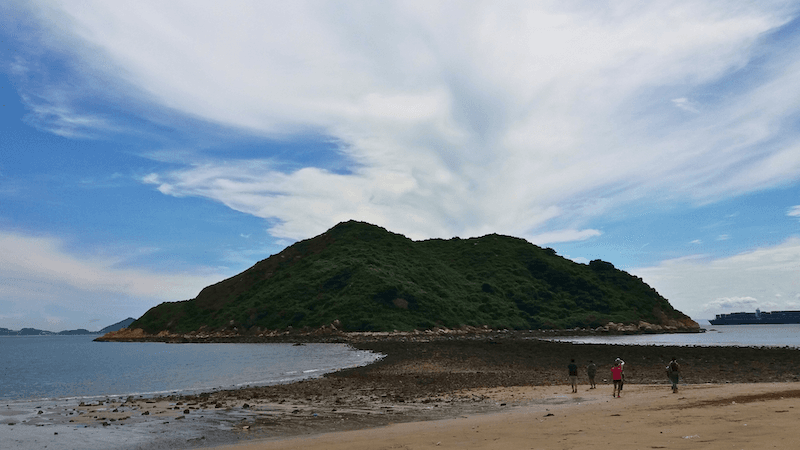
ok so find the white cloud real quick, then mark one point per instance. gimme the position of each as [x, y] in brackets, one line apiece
[43, 258]
[794, 211]
[460, 118]
[685, 104]
[701, 287]
[43, 283]
[63, 120]
[563, 236]
[731, 304]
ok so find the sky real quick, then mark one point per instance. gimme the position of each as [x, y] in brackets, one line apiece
[149, 149]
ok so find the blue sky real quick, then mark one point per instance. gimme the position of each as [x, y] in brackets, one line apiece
[150, 149]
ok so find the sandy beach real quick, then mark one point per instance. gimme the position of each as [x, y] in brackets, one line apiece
[645, 417]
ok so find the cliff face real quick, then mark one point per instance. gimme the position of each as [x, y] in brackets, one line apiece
[363, 277]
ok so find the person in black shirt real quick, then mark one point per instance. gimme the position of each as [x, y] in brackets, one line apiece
[573, 376]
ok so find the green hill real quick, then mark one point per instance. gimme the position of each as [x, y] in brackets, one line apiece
[370, 279]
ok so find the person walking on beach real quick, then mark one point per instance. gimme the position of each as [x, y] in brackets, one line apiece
[616, 375]
[573, 376]
[622, 370]
[674, 373]
[591, 370]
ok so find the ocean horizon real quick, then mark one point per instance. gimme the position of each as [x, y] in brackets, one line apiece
[785, 335]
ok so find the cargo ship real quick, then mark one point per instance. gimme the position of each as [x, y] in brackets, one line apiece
[758, 317]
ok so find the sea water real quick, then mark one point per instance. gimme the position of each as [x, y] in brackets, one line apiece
[715, 336]
[69, 367]
[43, 380]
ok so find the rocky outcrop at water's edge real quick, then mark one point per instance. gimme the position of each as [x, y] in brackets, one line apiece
[330, 333]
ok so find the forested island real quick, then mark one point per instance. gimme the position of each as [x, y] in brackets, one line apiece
[361, 277]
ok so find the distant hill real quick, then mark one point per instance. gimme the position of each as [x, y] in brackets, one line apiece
[117, 326]
[79, 331]
[24, 332]
[363, 277]
[75, 332]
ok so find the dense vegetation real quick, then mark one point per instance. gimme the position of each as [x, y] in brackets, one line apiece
[370, 279]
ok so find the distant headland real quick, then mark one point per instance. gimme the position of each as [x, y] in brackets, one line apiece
[80, 331]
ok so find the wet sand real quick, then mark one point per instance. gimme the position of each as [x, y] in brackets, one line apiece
[645, 417]
[426, 382]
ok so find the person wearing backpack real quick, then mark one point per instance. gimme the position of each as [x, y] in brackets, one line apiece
[673, 373]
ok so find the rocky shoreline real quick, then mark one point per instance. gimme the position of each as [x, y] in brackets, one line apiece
[332, 334]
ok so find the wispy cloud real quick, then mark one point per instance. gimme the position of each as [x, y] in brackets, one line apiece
[64, 121]
[794, 211]
[44, 258]
[685, 104]
[459, 118]
[107, 181]
[564, 236]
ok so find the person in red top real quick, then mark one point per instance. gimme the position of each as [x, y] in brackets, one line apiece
[616, 375]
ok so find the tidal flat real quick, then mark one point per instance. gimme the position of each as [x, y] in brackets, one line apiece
[418, 380]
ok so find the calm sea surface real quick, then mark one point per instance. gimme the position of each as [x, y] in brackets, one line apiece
[716, 335]
[63, 367]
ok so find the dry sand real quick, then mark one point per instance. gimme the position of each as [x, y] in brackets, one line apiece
[708, 416]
